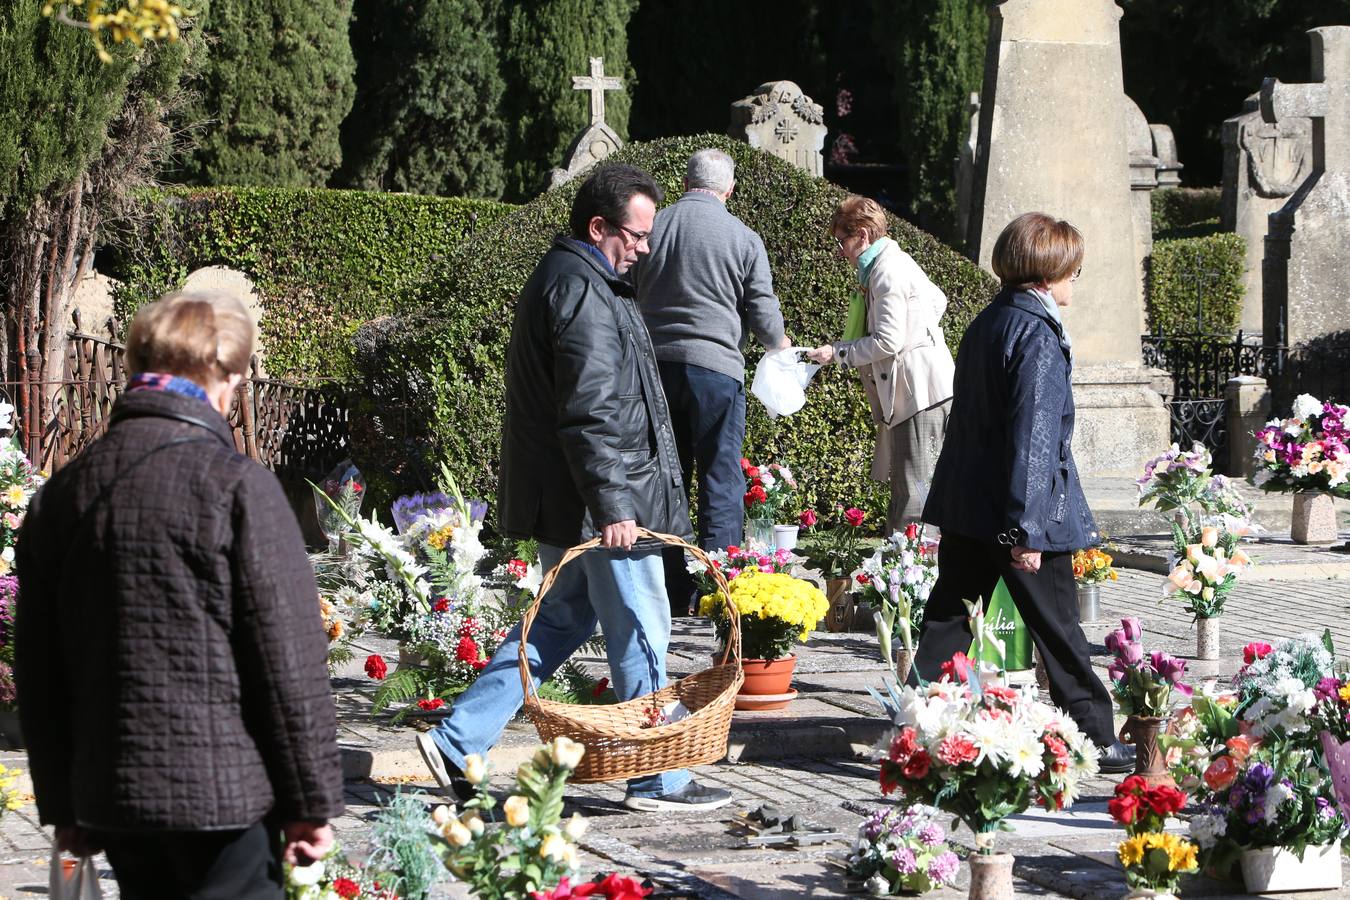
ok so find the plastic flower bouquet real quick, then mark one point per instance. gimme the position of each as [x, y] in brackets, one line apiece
[1093, 566]
[1142, 684]
[1277, 688]
[768, 490]
[983, 753]
[1203, 745]
[897, 579]
[777, 611]
[1306, 452]
[1152, 858]
[902, 851]
[1207, 571]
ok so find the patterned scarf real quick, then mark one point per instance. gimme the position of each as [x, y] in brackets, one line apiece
[173, 384]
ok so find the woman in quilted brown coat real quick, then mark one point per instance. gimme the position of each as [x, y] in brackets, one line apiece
[170, 655]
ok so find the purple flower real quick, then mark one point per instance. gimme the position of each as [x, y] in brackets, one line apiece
[932, 834]
[1131, 654]
[1256, 813]
[1325, 809]
[1326, 689]
[1115, 640]
[1115, 671]
[942, 868]
[1259, 777]
[1133, 630]
[904, 862]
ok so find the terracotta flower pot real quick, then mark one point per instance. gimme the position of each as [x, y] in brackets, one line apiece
[1149, 762]
[768, 683]
[1314, 518]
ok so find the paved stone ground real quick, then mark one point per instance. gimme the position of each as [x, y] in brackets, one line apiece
[811, 758]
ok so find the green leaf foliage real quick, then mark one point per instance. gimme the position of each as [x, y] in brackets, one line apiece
[545, 43]
[323, 261]
[434, 377]
[427, 117]
[1204, 272]
[56, 100]
[272, 95]
[1178, 207]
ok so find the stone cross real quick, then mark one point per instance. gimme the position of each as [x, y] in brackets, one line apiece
[597, 83]
[1307, 262]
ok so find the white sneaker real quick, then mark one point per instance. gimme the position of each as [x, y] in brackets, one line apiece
[446, 774]
[693, 797]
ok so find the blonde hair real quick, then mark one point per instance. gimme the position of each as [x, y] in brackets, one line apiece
[203, 336]
[854, 214]
[1037, 248]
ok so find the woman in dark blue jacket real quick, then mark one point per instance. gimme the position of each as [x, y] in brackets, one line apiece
[1005, 491]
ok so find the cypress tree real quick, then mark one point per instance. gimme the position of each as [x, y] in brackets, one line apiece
[273, 94]
[938, 62]
[427, 117]
[545, 43]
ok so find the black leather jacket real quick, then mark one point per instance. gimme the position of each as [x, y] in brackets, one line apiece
[587, 440]
[1006, 472]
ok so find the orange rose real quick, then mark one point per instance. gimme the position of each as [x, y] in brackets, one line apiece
[1221, 773]
[1241, 747]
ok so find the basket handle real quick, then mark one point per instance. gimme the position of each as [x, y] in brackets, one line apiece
[732, 650]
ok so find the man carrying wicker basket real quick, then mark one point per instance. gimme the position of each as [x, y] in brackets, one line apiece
[587, 451]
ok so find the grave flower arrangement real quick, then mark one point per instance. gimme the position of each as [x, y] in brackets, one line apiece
[736, 559]
[1276, 688]
[1153, 859]
[1207, 571]
[1203, 745]
[334, 877]
[768, 490]
[19, 481]
[777, 611]
[902, 851]
[836, 549]
[1093, 566]
[982, 753]
[897, 580]
[1308, 451]
[1142, 683]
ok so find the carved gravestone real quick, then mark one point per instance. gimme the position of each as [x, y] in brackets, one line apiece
[779, 119]
[1165, 149]
[232, 283]
[597, 141]
[1263, 164]
[1307, 265]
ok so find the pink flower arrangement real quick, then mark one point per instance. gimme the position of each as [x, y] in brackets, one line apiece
[1309, 451]
[1207, 571]
[1142, 684]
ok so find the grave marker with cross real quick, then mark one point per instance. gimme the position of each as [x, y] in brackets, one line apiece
[597, 140]
[1307, 263]
[597, 83]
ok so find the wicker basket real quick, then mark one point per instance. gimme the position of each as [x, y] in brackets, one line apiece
[617, 746]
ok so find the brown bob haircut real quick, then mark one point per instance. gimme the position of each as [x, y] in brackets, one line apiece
[203, 336]
[1037, 248]
[855, 214]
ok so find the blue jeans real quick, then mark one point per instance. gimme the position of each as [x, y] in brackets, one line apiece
[626, 593]
[707, 416]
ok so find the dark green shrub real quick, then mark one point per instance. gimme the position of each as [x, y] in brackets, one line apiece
[323, 261]
[1179, 207]
[1189, 273]
[434, 378]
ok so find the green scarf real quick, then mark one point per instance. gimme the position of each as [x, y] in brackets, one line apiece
[856, 324]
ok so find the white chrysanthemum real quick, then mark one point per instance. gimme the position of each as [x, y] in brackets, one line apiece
[990, 737]
[1306, 405]
[1207, 828]
[1026, 755]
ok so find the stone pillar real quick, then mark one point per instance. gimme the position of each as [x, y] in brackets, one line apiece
[1262, 165]
[1052, 138]
[1247, 409]
[1307, 264]
[779, 119]
[1143, 182]
[965, 170]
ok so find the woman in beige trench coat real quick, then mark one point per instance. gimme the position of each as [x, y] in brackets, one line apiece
[895, 342]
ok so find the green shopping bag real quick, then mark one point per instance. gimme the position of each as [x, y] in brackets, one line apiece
[1011, 648]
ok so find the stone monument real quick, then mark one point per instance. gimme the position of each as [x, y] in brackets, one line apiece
[1306, 271]
[1052, 138]
[965, 169]
[1143, 182]
[779, 119]
[1165, 149]
[597, 141]
[1263, 164]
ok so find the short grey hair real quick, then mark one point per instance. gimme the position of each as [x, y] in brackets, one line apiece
[712, 170]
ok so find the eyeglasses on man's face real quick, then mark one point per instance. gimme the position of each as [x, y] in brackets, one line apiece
[637, 236]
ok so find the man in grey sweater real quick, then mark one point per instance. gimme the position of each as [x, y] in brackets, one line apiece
[704, 284]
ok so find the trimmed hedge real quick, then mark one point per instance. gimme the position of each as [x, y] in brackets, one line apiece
[1178, 207]
[434, 378]
[323, 261]
[1186, 266]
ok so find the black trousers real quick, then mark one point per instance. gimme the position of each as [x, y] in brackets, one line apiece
[196, 865]
[1048, 602]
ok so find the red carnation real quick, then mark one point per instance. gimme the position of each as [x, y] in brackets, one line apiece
[467, 650]
[1255, 650]
[441, 605]
[745, 463]
[889, 777]
[807, 518]
[864, 578]
[375, 667]
[956, 668]
[346, 888]
[752, 472]
[429, 705]
[517, 568]
[854, 516]
[917, 767]
[756, 495]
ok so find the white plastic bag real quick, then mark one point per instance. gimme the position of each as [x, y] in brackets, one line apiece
[780, 381]
[80, 884]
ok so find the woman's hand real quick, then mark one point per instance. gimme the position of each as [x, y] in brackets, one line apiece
[1026, 559]
[824, 354]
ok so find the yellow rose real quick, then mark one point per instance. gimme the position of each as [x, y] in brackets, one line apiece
[472, 821]
[475, 770]
[441, 814]
[567, 752]
[553, 847]
[517, 810]
[575, 827]
[456, 833]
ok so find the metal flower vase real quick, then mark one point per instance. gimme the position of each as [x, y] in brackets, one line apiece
[1149, 761]
[1089, 603]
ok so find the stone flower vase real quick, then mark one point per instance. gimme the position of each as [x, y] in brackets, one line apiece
[1089, 603]
[839, 593]
[904, 660]
[1314, 520]
[990, 873]
[1149, 761]
[1207, 638]
[1270, 870]
[768, 683]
